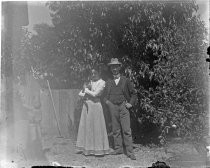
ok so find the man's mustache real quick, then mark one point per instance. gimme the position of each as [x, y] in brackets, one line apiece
[115, 70]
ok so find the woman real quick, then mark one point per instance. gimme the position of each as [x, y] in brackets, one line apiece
[92, 135]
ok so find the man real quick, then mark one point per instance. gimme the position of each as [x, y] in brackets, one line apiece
[120, 97]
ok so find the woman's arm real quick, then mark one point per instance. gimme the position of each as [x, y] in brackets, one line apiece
[105, 93]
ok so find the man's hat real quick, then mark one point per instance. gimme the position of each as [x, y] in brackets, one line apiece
[114, 61]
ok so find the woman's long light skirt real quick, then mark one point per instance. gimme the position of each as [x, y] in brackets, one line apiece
[92, 136]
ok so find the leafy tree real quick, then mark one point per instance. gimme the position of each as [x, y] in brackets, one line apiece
[161, 45]
[171, 53]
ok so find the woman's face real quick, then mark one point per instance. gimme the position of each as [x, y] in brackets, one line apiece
[95, 74]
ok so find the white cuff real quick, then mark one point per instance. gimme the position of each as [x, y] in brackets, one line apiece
[82, 94]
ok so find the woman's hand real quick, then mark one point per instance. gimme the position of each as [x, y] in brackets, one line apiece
[128, 105]
[86, 85]
[87, 90]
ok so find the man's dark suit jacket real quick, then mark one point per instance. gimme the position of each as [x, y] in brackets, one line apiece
[128, 90]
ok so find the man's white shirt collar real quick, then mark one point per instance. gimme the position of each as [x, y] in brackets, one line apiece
[117, 79]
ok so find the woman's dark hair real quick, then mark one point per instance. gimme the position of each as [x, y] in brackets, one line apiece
[96, 68]
[103, 71]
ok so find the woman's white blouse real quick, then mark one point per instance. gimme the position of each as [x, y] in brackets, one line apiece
[97, 88]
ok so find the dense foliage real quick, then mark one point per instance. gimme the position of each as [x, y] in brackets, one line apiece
[161, 44]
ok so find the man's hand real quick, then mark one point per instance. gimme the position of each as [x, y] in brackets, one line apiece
[128, 105]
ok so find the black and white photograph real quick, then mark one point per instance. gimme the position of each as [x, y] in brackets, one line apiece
[110, 84]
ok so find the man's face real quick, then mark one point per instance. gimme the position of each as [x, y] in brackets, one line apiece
[115, 69]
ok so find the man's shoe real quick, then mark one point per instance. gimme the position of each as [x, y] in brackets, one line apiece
[132, 157]
[116, 152]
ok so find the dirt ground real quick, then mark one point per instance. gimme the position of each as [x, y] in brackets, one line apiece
[63, 152]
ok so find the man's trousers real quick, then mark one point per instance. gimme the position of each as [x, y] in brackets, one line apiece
[121, 127]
